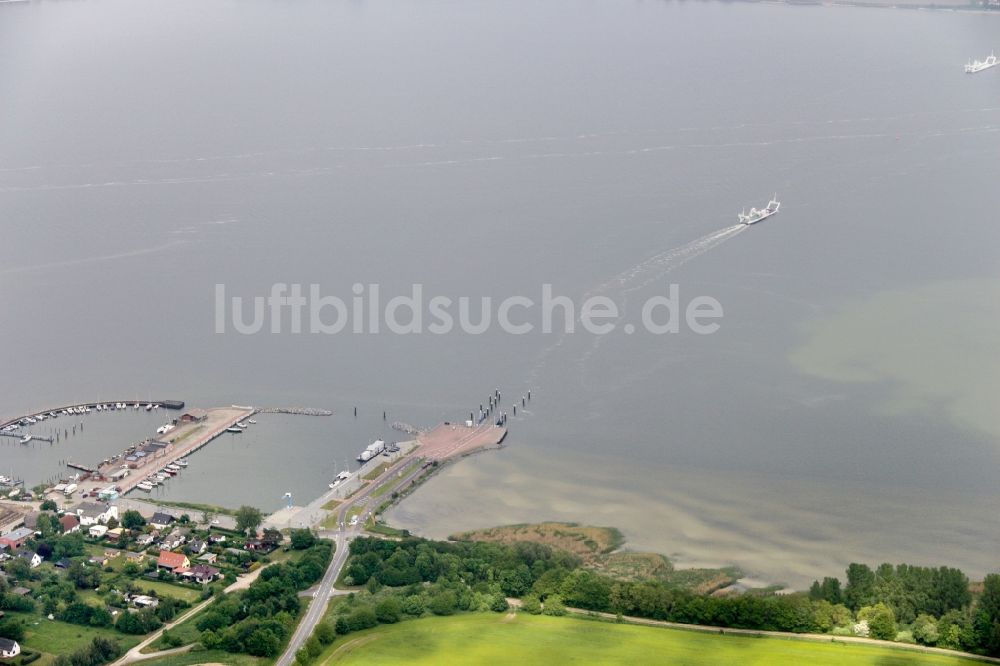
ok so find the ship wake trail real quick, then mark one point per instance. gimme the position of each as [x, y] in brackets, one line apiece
[635, 278]
[649, 271]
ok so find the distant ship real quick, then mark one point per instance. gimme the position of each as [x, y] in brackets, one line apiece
[755, 216]
[976, 66]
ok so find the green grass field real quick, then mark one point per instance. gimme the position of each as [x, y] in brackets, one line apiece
[165, 589]
[528, 639]
[56, 637]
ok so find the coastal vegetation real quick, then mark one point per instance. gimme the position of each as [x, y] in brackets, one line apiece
[411, 578]
[258, 621]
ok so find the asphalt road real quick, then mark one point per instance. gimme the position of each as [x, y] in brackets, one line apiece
[342, 538]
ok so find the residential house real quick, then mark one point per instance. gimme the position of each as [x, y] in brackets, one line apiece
[161, 520]
[173, 540]
[33, 559]
[144, 540]
[172, 561]
[137, 558]
[97, 531]
[92, 513]
[98, 561]
[208, 558]
[9, 648]
[16, 538]
[70, 523]
[202, 573]
[197, 547]
[144, 601]
[255, 544]
[115, 534]
[111, 553]
[64, 563]
[217, 538]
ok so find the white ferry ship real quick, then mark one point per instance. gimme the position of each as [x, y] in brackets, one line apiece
[755, 216]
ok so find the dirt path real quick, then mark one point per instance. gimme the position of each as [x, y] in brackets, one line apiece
[825, 638]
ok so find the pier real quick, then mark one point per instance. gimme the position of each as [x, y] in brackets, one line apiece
[166, 404]
[185, 439]
[18, 435]
[451, 440]
[300, 411]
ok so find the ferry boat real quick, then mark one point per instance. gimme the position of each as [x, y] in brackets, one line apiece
[972, 67]
[755, 216]
[144, 486]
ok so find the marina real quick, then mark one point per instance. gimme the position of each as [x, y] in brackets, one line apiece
[149, 463]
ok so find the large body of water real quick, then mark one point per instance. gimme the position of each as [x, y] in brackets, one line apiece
[846, 410]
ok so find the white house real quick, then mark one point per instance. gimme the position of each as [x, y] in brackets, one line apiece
[9, 648]
[33, 559]
[97, 531]
[91, 513]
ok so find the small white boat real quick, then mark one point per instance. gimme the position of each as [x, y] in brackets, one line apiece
[162, 477]
[181, 462]
[240, 424]
[144, 486]
[149, 407]
[973, 67]
[173, 468]
[252, 422]
[26, 439]
[234, 429]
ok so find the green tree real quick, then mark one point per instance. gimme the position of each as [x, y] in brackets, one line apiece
[554, 605]
[48, 505]
[12, 628]
[531, 604]
[388, 610]
[341, 626]
[444, 603]
[248, 519]
[925, 630]
[302, 539]
[132, 520]
[325, 633]
[881, 622]
[860, 590]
